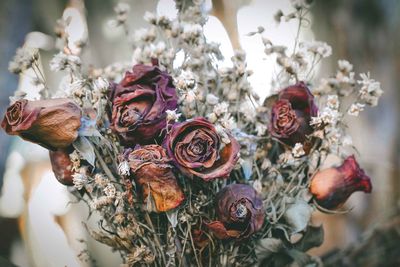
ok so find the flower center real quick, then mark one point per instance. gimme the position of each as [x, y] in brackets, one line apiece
[130, 117]
[241, 211]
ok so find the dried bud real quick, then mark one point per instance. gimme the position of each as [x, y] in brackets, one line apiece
[51, 123]
[151, 169]
[62, 165]
[333, 186]
[240, 212]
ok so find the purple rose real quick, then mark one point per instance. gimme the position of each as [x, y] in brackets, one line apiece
[139, 103]
[196, 150]
[291, 114]
[240, 212]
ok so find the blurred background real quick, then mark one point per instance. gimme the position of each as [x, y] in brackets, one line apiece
[39, 227]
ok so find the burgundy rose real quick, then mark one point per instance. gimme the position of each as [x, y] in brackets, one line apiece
[240, 212]
[333, 186]
[291, 114]
[196, 150]
[152, 171]
[62, 165]
[51, 123]
[139, 103]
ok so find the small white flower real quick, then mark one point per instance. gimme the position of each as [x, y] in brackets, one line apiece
[212, 99]
[172, 115]
[23, 59]
[318, 48]
[333, 102]
[345, 66]
[371, 90]
[228, 122]
[212, 117]
[190, 96]
[221, 108]
[257, 185]
[123, 168]
[150, 17]
[101, 84]
[355, 109]
[110, 191]
[62, 61]
[330, 116]
[261, 129]
[298, 150]
[79, 180]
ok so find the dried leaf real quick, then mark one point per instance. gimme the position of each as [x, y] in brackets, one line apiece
[172, 216]
[298, 215]
[85, 149]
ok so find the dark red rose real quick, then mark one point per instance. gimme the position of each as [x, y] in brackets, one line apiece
[333, 186]
[139, 103]
[291, 114]
[152, 172]
[240, 212]
[51, 123]
[196, 150]
[62, 165]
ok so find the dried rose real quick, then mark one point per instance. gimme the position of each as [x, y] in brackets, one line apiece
[62, 165]
[51, 123]
[240, 212]
[139, 104]
[333, 186]
[152, 171]
[291, 114]
[196, 150]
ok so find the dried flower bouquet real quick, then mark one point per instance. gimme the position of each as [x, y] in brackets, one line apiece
[183, 162]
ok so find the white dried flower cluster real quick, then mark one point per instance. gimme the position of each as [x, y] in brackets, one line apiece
[62, 61]
[318, 48]
[110, 191]
[370, 90]
[79, 180]
[124, 168]
[23, 59]
[298, 150]
[333, 102]
[173, 115]
[355, 109]
[101, 85]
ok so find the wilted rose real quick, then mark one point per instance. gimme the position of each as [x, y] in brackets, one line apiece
[139, 104]
[152, 171]
[291, 114]
[62, 165]
[196, 149]
[240, 212]
[333, 186]
[51, 123]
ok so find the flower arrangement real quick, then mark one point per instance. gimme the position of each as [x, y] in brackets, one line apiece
[184, 163]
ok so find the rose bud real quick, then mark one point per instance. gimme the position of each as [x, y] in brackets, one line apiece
[240, 212]
[196, 150]
[333, 186]
[51, 123]
[291, 114]
[62, 165]
[139, 104]
[152, 172]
